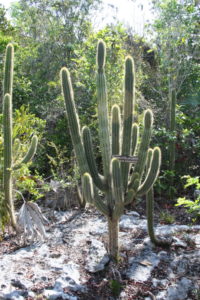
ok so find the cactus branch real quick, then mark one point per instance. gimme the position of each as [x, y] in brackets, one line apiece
[129, 100]
[135, 135]
[29, 155]
[98, 179]
[116, 138]
[73, 120]
[144, 145]
[8, 71]
[152, 173]
[104, 135]
[150, 225]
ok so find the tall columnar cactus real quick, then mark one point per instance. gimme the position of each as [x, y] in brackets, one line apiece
[121, 182]
[9, 165]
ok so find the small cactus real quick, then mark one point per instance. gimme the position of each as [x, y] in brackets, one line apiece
[9, 165]
[120, 182]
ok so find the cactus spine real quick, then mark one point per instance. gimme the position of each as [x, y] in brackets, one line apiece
[121, 182]
[9, 165]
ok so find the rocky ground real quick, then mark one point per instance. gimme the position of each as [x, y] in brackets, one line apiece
[73, 263]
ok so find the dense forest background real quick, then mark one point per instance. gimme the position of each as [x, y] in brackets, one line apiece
[50, 34]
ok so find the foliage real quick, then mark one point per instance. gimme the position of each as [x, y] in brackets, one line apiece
[193, 206]
[167, 217]
[175, 45]
[176, 41]
[116, 287]
[50, 31]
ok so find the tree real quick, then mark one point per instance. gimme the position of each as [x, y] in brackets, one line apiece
[175, 79]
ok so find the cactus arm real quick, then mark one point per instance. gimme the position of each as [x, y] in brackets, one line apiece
[87, 186]
[129, 196]
[142, 152]
[98, 179]
[150, 223]
[100, 205]
[80, 196]
[128, 115]
[152, 173]
[91, 195]
[116, 121]
[104, 135]
[117, 188]
[29, 155]
[134, 177]
[73, 120]
[8, 70]
[135, 135]
[149, 158]
[150, 210]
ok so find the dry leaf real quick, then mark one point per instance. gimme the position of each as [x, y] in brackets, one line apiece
[31, 222]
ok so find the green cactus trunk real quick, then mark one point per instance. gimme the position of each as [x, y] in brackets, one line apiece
[120, 182]
[7, 126]
[113, 239]
[9, 165]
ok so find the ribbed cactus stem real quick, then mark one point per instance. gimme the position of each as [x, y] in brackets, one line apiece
[149, 159]
[144, 145]
[87, 185]
[117, 188]
[7, 131]
[91, 195]
[101, 54]
[135, 136]
[98, 179]
[152, 173]
[129, 102]
[30, 153]
[8, 70]
[104, 134]
[150, 223]
[113, 231]
[116, 134]
[73, 120]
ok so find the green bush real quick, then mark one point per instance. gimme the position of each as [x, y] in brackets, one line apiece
[193, 206]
